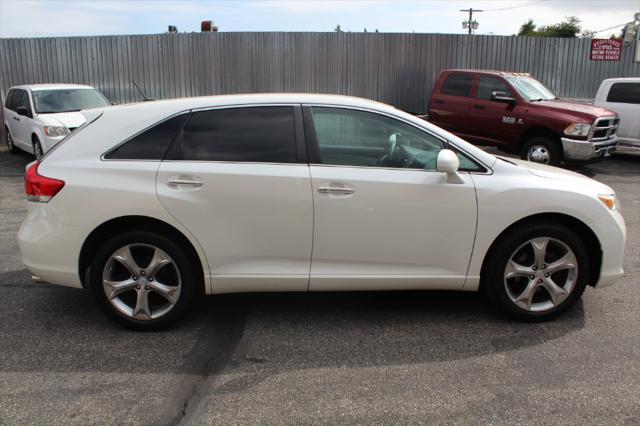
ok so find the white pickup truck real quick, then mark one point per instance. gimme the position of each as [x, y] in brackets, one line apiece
[622, 95]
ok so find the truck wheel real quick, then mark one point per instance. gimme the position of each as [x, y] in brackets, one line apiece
[541, 149]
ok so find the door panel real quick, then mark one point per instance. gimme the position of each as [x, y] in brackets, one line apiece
[238, 184]
[396, 228]
[252, 220]
[449, 108]
[491, 121]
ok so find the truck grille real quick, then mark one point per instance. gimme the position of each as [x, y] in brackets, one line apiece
[604, 128]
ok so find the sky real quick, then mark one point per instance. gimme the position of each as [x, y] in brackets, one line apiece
[49, 18]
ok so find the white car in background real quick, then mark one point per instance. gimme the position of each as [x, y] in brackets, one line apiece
[154, 205]
[622, 95]
[38, 116]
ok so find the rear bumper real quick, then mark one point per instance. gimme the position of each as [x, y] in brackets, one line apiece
[50, 249]
[575, 150]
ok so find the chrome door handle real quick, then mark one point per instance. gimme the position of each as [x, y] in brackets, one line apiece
[175, 183]
[335, 190]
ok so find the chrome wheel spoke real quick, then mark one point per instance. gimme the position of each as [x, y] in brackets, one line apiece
[539, 250]
[568, 261]
[159, 260]
[142, 310]
[526, 297]
[115, 288]
[514, 269]
[557, 294]
[170, 293]
[123, 255]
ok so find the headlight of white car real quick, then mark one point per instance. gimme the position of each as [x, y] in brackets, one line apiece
[577, 129]
[56, 131]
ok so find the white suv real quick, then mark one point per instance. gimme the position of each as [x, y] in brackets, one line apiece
[38, 116]
[152, 205]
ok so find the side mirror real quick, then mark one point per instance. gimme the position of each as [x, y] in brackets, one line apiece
[448, 162]
[22, 110]
[502, 97]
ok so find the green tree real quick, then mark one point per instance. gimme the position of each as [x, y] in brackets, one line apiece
[570, 27]
[527, 29]
[338, 29]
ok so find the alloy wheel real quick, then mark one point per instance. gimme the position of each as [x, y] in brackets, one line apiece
[541, 274]
[141, 281]
[539, 154]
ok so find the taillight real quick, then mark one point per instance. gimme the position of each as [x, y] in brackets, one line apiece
[40, 188]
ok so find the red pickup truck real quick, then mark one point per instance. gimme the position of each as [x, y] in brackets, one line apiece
[518, 114]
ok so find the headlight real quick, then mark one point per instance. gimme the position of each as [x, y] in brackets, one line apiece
[56, 131]
[578, 129]
[608, 200]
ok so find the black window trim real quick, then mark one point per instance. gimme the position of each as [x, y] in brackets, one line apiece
[103, 156]
[301, 148]
[314, 146]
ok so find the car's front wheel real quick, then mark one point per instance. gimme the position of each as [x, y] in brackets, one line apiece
[143, 280]
[10, 145]
[37, 148]
[536, 271]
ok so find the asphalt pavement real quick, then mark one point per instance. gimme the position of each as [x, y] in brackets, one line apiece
[371, 357]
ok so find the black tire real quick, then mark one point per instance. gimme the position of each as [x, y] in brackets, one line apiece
[550, 147]
[191, 284]
[37, 148]
[9, 139]
[493, 282]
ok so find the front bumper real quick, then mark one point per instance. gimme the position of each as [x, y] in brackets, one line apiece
[586, 150]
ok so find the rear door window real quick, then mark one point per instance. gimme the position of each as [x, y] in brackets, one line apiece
[151, 144]
[247, 134]
[624, 93]
[458, 85]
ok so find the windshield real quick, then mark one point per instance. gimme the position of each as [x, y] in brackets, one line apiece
[66, 100]
[531, 89]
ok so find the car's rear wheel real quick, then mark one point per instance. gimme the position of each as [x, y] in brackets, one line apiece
[537, 271]
[10, 145]
[541, 149]
[143, 280]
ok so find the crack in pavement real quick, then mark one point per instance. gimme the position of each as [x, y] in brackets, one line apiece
[209, 356]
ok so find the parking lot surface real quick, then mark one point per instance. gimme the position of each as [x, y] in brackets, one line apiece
[409, 357]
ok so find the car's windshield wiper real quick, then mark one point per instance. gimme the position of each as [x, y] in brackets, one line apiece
[536, 100]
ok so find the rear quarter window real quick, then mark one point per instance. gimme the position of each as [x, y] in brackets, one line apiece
[458, 85]
[624, 93]
[151, 144]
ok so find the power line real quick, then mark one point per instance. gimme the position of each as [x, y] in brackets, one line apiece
[610, 28]
[515, 7]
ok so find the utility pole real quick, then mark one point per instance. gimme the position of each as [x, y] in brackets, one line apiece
[470, 24]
